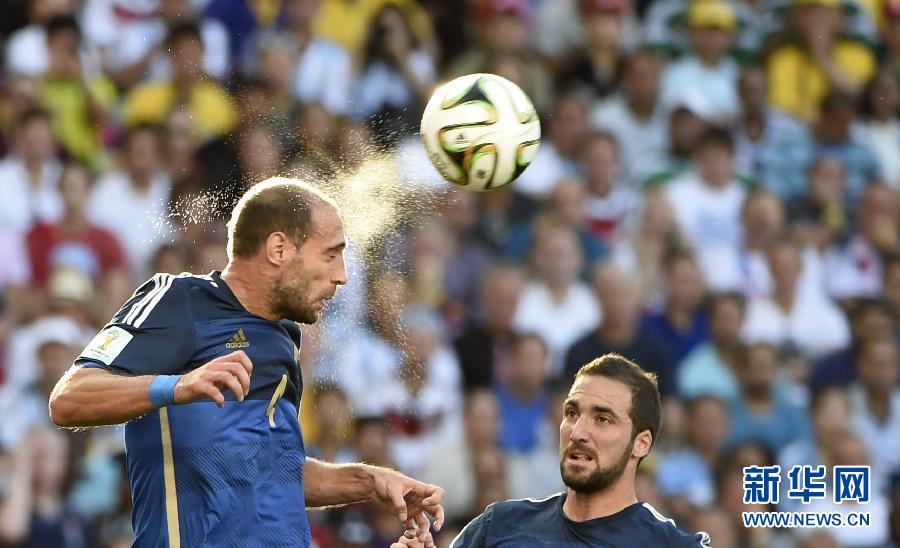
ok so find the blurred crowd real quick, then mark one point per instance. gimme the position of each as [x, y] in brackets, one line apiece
[716, 195]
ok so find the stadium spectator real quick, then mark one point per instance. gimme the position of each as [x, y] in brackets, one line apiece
[790, 316]
[26, 48]
[681, 325]
[395, 76]
[707, 71]
[596, 68]
[710, 369]
[771, 147]
[612, 205]
[685, 129]
[641, 256]
[557, 157]
[881, 125]
[324, 70]
[686, 476]
[451, 463]
[485, 345]
[566, 203]
[139, 191]
[635, 117]
[875, 404]
[74, 241]
[213, 113]
[79, 104]
[820, 213]
[707, 200]
[556, 304]
[763, 412]
[34, 511]
[31, 175]
[855, 269]
[805, 69]
[523, 397]
[138, 50]
[332, 424]
[868, 318]
[620, 331]
[833, 136]
[502, 28]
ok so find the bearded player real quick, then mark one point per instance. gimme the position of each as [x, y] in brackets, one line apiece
[204, 370]
[610, 421]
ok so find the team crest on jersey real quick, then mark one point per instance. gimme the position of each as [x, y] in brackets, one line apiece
[107, 344]
[238, 340]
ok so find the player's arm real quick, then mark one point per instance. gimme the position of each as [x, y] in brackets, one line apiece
[326, 484]
[92, 396]
[131, 367]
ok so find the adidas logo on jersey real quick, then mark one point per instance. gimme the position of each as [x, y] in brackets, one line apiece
[238, 340]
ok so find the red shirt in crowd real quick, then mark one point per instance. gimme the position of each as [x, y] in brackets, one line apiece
[44, 241]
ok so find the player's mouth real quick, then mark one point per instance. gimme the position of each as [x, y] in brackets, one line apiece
[579, 457]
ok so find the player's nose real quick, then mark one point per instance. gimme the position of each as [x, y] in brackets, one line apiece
[580, 430]
[339, 274]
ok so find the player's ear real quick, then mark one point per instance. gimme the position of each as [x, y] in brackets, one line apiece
[642, 443]
[276, 247]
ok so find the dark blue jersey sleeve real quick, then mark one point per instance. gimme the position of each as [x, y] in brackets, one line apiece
[152, 334]
[474, 535]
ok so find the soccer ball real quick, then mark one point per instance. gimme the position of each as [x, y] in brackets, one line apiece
[481, 131]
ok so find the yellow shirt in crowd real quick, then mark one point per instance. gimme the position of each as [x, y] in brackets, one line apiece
[213, 112]
[798, 85]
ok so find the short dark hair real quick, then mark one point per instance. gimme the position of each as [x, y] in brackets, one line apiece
[275, 205]
[62, 23]
[716, 299]
[32, 114]
[522, 338]
[716, 137]
[646, 404]
[675, 255]
[181, 30]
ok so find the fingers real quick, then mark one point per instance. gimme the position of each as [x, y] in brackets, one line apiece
[240, 373]
[438, 513]
[399, 504]
[423, 525]
[211, 390]
[225, 379]
[238, 356]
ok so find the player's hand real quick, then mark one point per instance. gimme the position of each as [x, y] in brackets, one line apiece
[411, 500]
[407, 542]
[228, 372]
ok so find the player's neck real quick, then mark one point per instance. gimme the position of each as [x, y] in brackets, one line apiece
[582, 507]
[246, 282]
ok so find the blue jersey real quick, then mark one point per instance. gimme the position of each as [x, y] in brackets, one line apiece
[201, 475]
[542, 524]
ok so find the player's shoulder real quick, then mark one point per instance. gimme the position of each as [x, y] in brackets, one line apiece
[515, 509]
[664, 531]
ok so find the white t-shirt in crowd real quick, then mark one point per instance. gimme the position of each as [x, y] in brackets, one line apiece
[324, 73]
[815, 326]
[643, 144]
[707, 216]
[559, 323]
[715, 86]
[139, 218]
[23, 204]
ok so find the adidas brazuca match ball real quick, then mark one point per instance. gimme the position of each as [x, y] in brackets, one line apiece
[481, 131]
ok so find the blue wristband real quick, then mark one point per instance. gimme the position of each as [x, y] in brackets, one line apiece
[162, 390]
